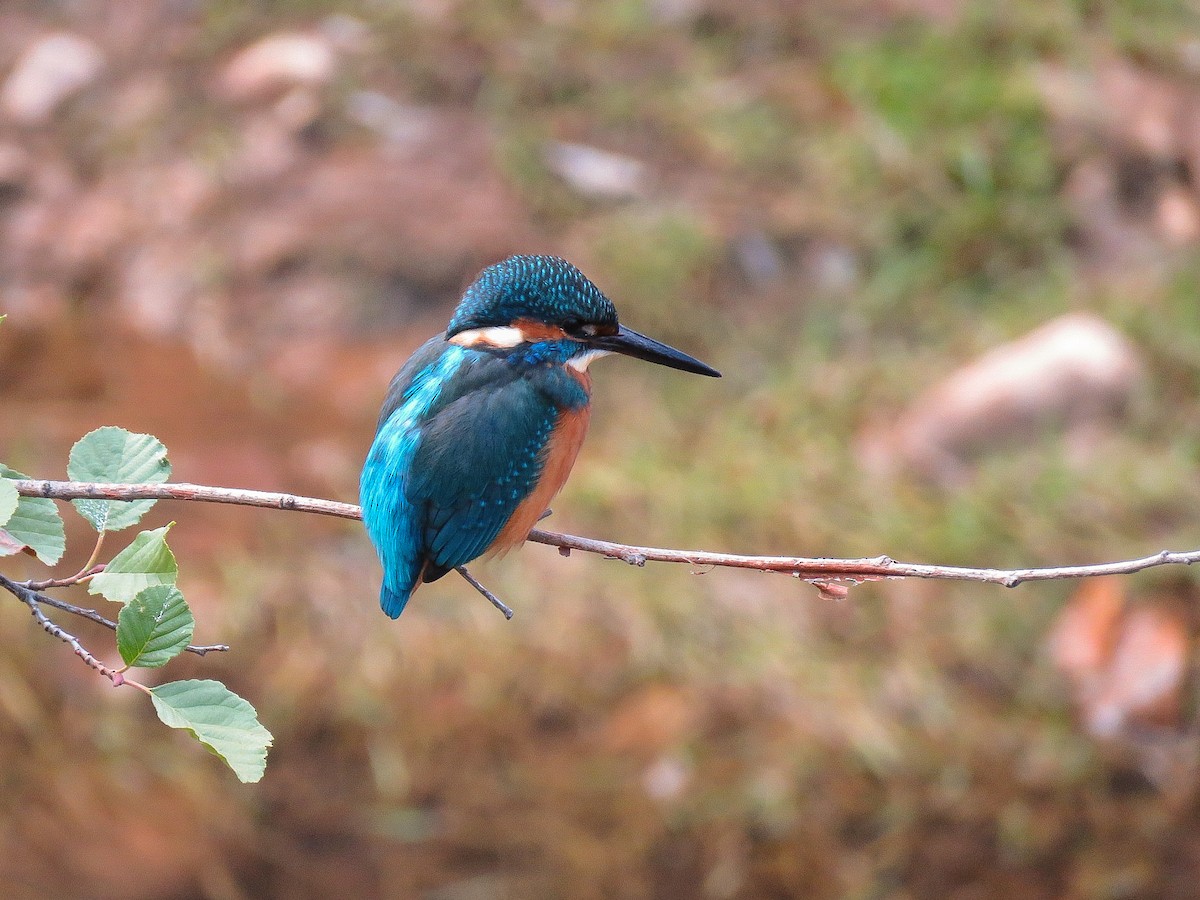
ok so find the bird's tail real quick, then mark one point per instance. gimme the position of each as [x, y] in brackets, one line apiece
[393, 602]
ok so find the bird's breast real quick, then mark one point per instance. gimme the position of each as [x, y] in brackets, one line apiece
[558, 457]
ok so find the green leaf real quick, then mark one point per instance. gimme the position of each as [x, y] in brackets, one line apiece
[114, 455]
[147, 561]
[154, 627]
[36, 524]
[9, 498]
[218, 718]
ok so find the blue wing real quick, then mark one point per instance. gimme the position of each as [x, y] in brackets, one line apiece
[392, 523]
[478, 458]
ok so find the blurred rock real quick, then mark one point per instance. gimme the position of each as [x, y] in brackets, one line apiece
[1143, 680]
[1177, 216]
[667, 777]
[676, 12]
[1137, 191]
[275, 63]
[1076, 370]
[597, 174]
[758, 258]
[159, 287]
[267, 150]
[298, 109]
[833, 265]
[345, 32]
[398, 123]
[1137, 108]
[92, 228]
[1125, 664]
[432, 221]
[1081, 640]
[1108, 234]
[48, 73]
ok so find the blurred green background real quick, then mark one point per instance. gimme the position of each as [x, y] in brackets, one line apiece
[227, 223]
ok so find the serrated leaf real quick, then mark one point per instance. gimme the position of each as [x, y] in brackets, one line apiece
[147, 561]
[35, 524]
[154, 627]
[114, 455]
[9, 498]
[221, 720]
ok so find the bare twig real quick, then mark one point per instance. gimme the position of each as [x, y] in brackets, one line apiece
[27, 590]
[871, 568]
[811, 569]
[33, 600]
[492, 598]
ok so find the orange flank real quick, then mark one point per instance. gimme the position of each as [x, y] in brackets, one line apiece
[561, 450]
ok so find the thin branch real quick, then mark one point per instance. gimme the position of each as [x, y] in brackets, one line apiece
[32, 599]
[872, 568]
[492, 598]
[25, 591]
[811, 569]
[78, 490]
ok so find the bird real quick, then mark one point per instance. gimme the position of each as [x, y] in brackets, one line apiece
[481, 426]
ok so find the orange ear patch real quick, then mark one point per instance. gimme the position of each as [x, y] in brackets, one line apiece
[538, 331]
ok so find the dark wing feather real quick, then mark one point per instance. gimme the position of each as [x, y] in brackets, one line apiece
[479, 456]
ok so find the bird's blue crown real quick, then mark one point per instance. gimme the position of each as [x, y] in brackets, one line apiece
[541, 288]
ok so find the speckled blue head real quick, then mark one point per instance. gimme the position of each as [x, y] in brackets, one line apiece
[539, 288]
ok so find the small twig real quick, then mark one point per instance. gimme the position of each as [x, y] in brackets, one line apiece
[88, 569]
[81, 575]
[31, 599]
[812, 569]
[21, 590]
[474, 582]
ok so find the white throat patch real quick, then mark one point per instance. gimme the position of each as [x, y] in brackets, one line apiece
[580, 363]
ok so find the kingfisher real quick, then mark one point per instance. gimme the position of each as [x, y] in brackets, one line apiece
[481, 426]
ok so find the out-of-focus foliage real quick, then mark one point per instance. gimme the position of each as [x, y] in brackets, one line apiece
[838, 205]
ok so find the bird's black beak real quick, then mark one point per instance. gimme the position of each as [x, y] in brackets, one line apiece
[630, 343]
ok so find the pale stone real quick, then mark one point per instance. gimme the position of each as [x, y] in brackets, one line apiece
[48, 73]
[278, 62]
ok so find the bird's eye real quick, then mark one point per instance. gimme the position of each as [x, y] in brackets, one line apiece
[574, 326]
